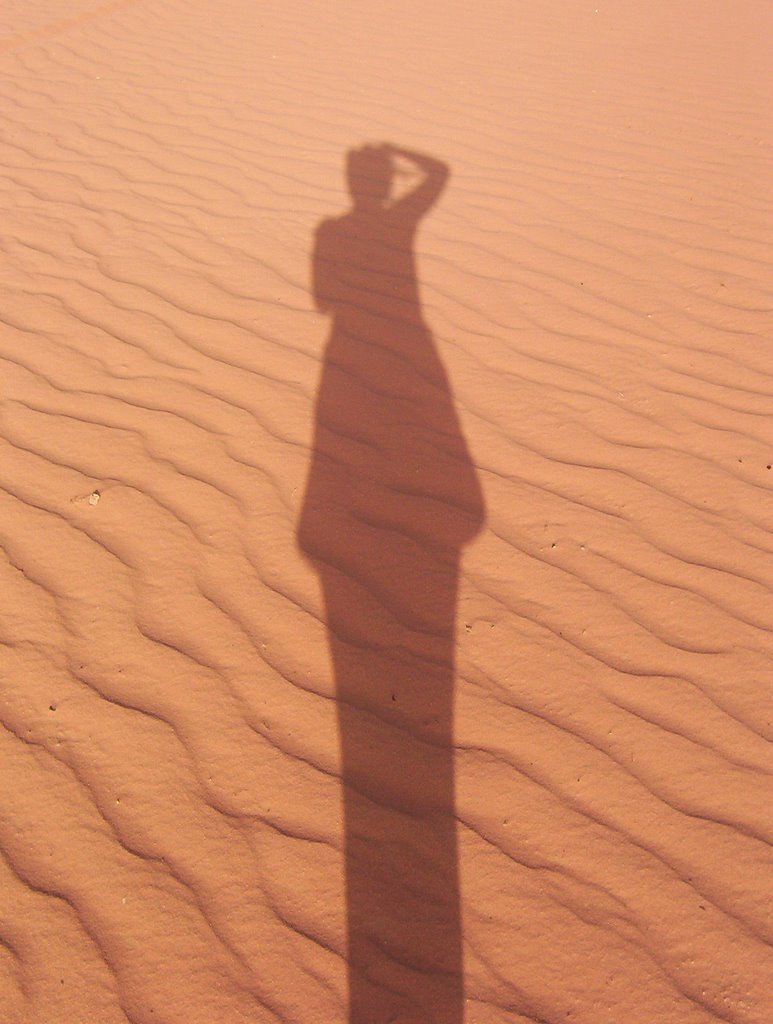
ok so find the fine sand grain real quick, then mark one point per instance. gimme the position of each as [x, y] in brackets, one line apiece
[385, 602]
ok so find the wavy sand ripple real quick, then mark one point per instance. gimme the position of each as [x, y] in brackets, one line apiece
[595, 277]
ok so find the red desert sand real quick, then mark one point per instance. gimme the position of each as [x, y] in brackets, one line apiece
[386, 485]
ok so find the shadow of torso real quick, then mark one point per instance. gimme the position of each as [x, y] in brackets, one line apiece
[392, 494]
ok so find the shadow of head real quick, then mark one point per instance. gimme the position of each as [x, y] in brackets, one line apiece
[369, 175]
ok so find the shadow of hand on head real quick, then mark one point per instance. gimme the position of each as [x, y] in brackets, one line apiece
[391, 498]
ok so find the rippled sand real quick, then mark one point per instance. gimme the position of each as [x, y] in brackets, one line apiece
[176, 841]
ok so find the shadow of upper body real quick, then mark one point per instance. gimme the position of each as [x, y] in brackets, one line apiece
[391, 486]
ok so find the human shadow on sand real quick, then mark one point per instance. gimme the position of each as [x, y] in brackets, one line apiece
[392, 497]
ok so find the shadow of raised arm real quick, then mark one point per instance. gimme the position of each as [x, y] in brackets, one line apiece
[421, 198]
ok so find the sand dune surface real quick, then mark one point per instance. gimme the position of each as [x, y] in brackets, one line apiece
[386, 505]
